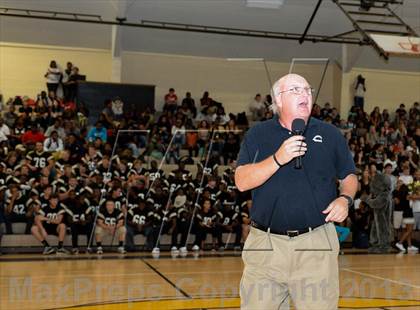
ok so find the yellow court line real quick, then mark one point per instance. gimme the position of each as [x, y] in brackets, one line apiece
[350, 302]
[172, 304]
[220, 303]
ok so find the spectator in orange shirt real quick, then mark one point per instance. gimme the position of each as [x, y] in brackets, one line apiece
[191, 138]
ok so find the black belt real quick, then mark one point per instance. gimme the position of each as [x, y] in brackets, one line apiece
[289, 233]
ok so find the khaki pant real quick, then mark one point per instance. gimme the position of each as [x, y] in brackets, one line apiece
[102, 232]
[294, 267]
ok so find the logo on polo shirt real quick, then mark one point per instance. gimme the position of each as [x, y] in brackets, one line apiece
[317, 138]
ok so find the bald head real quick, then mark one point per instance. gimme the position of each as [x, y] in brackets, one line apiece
[287, 81]
[292, 98]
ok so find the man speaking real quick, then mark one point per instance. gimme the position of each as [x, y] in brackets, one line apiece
[291, 163]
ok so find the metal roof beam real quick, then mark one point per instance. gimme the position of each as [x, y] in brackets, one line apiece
[302, 38]
[182, 27]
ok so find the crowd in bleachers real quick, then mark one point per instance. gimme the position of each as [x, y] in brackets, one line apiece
[57, 172]
[384, 144]
[59, 176]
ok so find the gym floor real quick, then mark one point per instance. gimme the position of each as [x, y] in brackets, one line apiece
[206, 281]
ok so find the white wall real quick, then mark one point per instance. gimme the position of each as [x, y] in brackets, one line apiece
[22, 69]
[234, 83]
[386, 89]
[22, 66]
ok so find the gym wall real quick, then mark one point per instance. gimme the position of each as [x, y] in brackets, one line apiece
[235, 83]
[22, 66]
[386, 89]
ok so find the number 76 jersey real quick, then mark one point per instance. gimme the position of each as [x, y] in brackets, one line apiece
[39, 160]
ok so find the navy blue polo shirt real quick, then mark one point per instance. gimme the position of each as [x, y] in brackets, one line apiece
[295, 198]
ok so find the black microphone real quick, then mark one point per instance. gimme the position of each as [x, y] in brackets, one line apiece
[298, 127]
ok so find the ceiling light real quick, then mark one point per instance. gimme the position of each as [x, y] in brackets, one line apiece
[265, 4]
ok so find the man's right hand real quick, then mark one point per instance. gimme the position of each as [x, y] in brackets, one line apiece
[291, 148]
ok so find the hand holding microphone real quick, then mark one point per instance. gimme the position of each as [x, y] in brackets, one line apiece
[294, 147]
[298, 127]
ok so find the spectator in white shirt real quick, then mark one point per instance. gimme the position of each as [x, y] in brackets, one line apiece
[392, 161]
[257, 107]
[178, 131]
[221, 116]
[53, 143]
[4, 131]
[53, 77]
[405, 176]
[415, 200]
[359, 92]
[56, 127]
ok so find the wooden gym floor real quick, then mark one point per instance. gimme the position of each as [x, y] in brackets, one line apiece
[209, 281]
